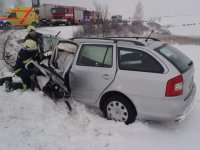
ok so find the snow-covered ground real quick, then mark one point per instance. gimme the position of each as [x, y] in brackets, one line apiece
[178, 20]
[193, 30]
[181, 25]
[31, 121]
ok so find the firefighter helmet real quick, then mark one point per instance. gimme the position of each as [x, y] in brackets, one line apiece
[30, 29]
[30, 45]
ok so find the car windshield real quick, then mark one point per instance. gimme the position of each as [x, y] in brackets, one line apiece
[177, 58]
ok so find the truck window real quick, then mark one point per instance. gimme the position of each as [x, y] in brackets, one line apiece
[12, 15]
[58, 10]
[96, 56]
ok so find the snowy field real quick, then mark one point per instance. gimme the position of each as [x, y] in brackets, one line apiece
[31, 121]
[178, 20]
[181, 25]
[186, 30]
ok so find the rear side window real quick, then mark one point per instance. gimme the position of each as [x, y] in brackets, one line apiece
[136, 60]
[177, 58]
[96, 56]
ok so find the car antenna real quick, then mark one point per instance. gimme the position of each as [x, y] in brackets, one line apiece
[58, 33]
[149, 35]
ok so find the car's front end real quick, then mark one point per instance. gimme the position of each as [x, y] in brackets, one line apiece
[3, 23]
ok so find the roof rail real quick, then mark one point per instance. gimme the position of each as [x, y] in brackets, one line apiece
[137, 37]
[124, 40]
[88, 38]
[93, 39]
[110, 39]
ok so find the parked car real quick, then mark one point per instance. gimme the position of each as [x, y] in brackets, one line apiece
[4, 24]
[129, 78]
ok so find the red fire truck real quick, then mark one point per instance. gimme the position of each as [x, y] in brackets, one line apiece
[57, 14]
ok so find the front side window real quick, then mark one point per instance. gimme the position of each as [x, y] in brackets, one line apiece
[96, 56]
[12, 15]
[136, 60]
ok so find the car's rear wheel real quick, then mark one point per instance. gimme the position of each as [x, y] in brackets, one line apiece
[34, 24]
[8, 25]
[119, 108]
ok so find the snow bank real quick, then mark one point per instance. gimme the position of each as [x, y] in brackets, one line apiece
[31, 121]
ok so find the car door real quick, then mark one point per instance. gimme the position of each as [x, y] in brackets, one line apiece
[93, 71]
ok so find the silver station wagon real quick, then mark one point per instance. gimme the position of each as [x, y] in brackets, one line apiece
[129, 78]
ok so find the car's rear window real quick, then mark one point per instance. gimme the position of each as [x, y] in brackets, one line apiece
[176, 57]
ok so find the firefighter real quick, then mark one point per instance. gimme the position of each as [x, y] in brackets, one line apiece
[26, 54]
[35, 36]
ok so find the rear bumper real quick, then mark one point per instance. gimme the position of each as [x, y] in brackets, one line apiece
[165, 109]
[185, 107]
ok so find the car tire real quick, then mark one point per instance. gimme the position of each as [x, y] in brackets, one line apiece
[69, 23]
[119, 108]
[34, 24]
[8, 25]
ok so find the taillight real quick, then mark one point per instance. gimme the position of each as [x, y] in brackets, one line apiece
[174, 86]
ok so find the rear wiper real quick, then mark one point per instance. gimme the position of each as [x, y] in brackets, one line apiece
[190, 64]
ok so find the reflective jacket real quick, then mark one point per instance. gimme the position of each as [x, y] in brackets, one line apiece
[24, 56]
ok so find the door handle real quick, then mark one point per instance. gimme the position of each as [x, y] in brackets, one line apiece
[106, 76]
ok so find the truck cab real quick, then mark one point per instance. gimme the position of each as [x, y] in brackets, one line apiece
[20, 16]
[67, 15]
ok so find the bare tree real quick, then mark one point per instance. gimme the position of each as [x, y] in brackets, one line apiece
[2, 3]
[102, 17]
[99, 25]
[19, 3]
[139, 12]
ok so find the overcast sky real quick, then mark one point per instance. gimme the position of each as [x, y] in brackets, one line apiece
[152, 8]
